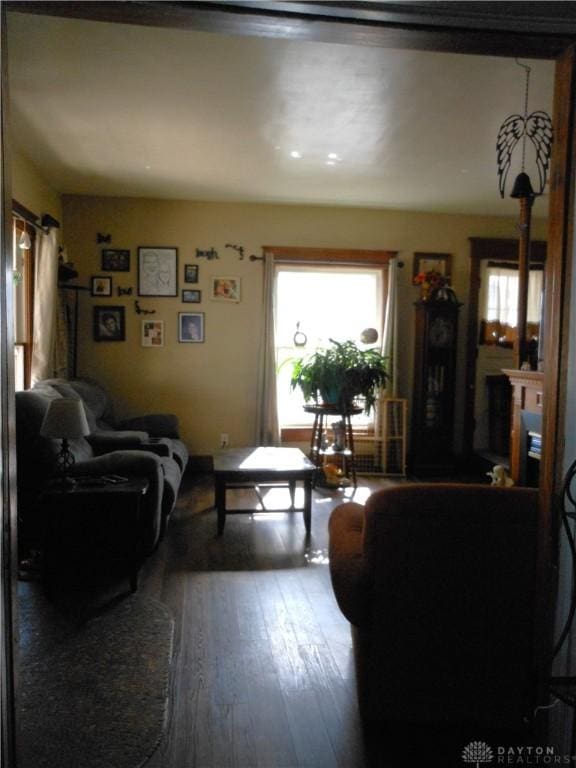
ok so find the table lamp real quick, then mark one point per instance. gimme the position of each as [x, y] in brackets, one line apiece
[66, 420]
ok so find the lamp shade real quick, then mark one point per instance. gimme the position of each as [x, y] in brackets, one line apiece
[65, 418]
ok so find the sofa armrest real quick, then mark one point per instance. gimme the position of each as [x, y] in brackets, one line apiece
[105, 441]
[161, 446]
[351, 580]
[156, 424]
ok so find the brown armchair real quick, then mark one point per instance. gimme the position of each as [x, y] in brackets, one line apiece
[438, 582]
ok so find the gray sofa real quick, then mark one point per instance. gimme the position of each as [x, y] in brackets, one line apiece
[156, 453]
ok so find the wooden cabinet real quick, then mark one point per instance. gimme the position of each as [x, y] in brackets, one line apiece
[527, 409]
[432, 432]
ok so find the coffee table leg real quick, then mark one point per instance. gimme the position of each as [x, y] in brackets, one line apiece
[220, 493]
[308, 503]
[292, 486]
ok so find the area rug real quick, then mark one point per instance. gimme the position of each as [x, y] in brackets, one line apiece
[94, 694]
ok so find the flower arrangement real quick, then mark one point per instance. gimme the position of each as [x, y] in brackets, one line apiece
[429, 283]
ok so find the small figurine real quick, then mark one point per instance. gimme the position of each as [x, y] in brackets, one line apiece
[500, 477]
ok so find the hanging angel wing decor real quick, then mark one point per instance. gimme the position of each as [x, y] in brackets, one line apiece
[537, 127]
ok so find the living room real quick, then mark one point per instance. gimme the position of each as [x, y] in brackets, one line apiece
[194, 381]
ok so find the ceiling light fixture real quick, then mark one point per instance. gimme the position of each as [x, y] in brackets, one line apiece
[333, 156]
[295, 154]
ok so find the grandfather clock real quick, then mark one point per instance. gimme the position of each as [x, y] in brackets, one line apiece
[436, 338]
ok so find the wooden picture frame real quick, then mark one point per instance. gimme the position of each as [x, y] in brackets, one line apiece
[190, 327]
[433, 262]
[109, 323]
[157, 271]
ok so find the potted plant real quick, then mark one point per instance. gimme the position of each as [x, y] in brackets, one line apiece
[341, 374]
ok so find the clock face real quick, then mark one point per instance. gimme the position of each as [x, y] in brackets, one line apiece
[440, 333]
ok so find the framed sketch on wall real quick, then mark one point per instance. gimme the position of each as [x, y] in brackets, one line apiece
[157, 271]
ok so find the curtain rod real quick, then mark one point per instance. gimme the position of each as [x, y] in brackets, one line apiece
[24, 214]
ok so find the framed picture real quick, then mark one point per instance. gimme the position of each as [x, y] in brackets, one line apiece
[152, 333]
[109, 323]
[100, 286]
[114, 260]
[191, 327]
[192, 297]
[157, 271]
[190, 273]
[225, 289]
[433, 262]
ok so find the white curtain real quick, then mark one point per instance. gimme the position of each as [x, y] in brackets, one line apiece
[267, 427]
[390, 332]
[499, 295]
[45, 306]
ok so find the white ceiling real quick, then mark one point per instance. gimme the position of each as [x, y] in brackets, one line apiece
[111, 109]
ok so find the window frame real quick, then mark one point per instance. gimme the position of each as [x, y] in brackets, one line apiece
[28, 272]
[322, 257]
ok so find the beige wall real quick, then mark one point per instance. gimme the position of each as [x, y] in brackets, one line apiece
[212, 386]
[32, 190]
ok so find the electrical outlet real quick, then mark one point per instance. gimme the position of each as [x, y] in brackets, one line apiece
[224, 440]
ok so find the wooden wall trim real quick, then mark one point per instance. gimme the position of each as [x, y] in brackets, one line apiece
[455, 28]
[329, 255]
[557, 315]
[8, 524]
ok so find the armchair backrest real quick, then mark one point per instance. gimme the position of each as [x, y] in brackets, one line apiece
[453, 573]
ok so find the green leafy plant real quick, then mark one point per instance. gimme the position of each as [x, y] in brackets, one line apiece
[341, 374]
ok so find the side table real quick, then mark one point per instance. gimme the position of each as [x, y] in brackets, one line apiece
[93, 522]
[318, 452]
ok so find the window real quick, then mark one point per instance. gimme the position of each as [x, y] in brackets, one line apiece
[23, 283]
[322, 303]
[499, 304]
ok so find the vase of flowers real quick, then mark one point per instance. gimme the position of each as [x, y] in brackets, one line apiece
[430, 284]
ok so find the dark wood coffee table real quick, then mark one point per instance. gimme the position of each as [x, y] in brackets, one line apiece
[250, 467]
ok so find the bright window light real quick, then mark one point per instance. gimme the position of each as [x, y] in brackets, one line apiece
[322, 303]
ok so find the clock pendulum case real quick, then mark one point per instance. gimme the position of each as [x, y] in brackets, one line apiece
[436, 337]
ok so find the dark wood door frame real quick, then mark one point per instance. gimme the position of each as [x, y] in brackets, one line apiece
[484, 249]
[534, 30]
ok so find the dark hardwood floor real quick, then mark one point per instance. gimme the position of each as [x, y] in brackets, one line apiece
[262, 672]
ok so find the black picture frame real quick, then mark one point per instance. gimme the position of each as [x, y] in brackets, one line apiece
[190, 273]
[157, 271]
[115, 260]
[109, 323]
[191, 296]
[100, 285]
